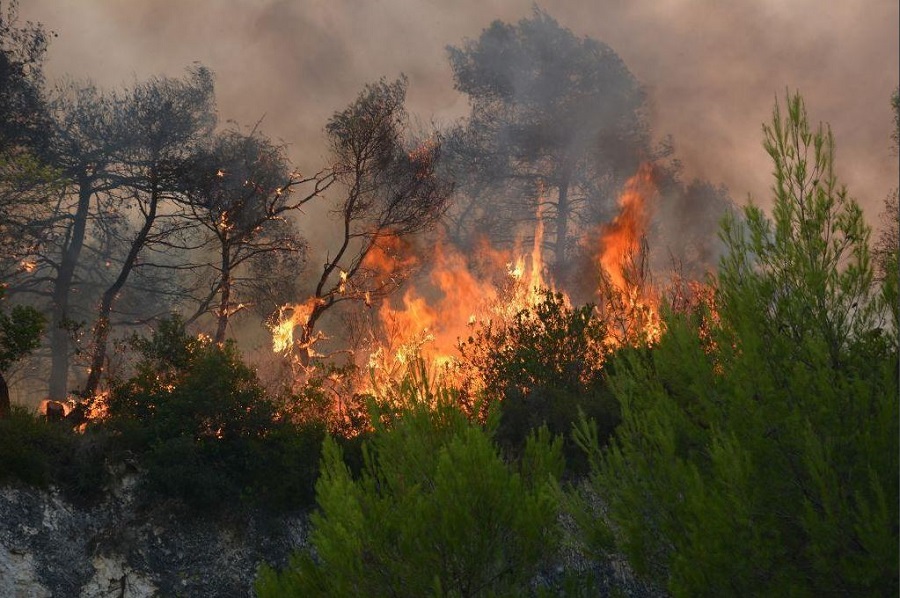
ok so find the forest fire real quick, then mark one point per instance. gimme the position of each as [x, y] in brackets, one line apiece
[620, 240]
[628, 296]
[481, 379]
[489, 285]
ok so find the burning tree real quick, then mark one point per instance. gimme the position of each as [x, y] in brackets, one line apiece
[555, 119]
[242, 199]
[390, 190]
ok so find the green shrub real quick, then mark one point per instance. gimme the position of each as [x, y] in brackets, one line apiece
[20, 333]
[199, 421]
[758, 453]
[543, 368]
[39, 453]
[26, 446]
[435, 511]
[283, 467]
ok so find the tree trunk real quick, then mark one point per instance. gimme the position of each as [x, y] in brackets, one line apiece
[4, 398]
[101, 328]
[59, 333]
[562, 224]
[225, 296]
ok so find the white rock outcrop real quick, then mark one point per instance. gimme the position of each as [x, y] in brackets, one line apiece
[50, 547]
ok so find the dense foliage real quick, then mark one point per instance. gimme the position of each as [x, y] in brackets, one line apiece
[542, 368]
[41, 453]
[435, 511]
[195, 416]
[758, 452]
[20, 333]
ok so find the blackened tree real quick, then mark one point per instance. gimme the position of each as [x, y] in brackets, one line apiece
[390, 189]
[163, 122]
[85, 132]
[555, 119]
[243, 198]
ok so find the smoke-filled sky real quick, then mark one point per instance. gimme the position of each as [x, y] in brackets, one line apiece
[712, 68]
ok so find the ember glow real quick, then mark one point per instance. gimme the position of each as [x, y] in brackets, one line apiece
[432, 313]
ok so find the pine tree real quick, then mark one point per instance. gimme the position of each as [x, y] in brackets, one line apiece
[435, 511]
[758, 452]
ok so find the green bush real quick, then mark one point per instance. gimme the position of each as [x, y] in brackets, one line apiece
[435, 511]
[758, 453]
[41, 454]
[543, 368]
[20, 334]
[199, 422]
[26, 446]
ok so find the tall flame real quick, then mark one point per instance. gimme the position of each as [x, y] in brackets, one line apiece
[620, 239]
[630, 296]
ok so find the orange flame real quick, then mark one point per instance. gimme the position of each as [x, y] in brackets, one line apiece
[290, 317]
[487, 284]
[390, 258]
[460, 291]
[630, 295]
[429, 321]
[620, 239]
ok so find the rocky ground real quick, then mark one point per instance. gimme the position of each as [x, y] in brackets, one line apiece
[49, 547]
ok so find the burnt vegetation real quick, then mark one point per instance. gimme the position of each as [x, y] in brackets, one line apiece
[733, 434]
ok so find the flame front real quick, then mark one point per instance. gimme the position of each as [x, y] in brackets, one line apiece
[460, 291]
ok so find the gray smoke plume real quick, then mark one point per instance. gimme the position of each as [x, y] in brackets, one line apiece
[712, 69]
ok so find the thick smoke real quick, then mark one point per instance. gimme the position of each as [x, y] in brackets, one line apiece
[712, 69]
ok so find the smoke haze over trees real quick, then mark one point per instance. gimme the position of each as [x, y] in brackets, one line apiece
[710, 69]
[551, 113]
[556, 123]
